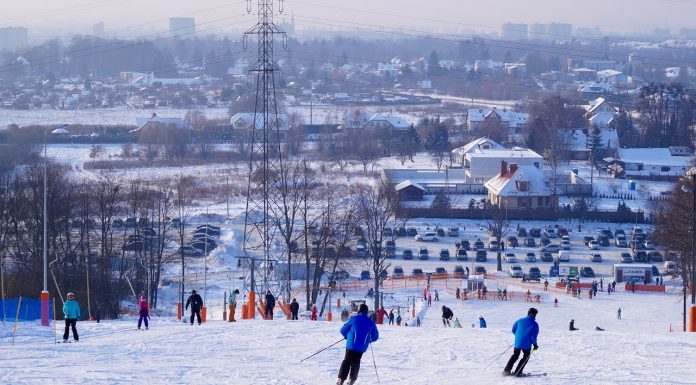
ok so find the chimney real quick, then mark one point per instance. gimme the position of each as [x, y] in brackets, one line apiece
[503, 168]
[513, 168]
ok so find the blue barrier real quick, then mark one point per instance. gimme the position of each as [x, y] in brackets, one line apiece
[30, 310]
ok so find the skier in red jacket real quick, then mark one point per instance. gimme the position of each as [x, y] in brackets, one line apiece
[380, 315]
[144, 312]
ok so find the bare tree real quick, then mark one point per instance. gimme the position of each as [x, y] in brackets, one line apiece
[498, 227]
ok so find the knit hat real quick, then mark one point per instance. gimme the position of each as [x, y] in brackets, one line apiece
[532, 312]
[363, 309]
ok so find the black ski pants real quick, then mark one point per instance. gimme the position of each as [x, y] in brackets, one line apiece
[269, 312]
[294, 315]
[351, 363]
[197, 313]
[515, 356]
[70, 322]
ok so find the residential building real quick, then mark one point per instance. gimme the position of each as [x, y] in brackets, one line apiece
[394, 124]
[184, 27]
[482, 165]
[653, 162]
[514, 31]
[478, 119]
[614, 77]
[243, 122]
[577, 143]
[520, 187]
[12, 38]
[483, 143]
[450, 180]
[409, 191]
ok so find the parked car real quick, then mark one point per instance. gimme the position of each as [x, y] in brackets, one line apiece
[387, 232]
[562, 231]
[587, 272]
[522, 232]
[118, 223]
[655, 271]
[423, 254]
[606, 232]
[440, 270]
[208, 231]
[595, 257]
[478, 270]
[529, 242]
[635, 244]
[546, 257]
[493, 244]
[510, 258]
[407, 254]
[563, 256]
[202, 246]
[550, 233]
[530, 257]
[383, 274]
[207, 225]
[444, 255]
[656, 256]
[621, 241]
[365, 275]
[465, 245]
[411, 232]
[533, 274]
[512, 241]
[428, 236]
[461, 254]
[649, 245]
[669, 267]
[458, 271]
[544, 241]
[417, 272]
[640, 256]
[478, 245]
[398, 271]
[453, 232]
[565, 238]
[551, 248]
[553, 271]
[400, 231]
[535, 232]
[593, 245]
[618, 232]
[481, 256]
[389, 245]
[440, 232]
[603, 240]
[626, 258]
[586, 239]
[339, 275]
[190, 251]
[515, 271]
[565, 245]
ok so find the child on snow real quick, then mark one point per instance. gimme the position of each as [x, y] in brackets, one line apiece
[144, 311]
[71, 312]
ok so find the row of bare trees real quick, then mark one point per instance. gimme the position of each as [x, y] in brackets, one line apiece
[86, 234]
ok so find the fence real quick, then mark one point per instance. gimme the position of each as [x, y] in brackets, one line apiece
[536, 214]
[30, 309]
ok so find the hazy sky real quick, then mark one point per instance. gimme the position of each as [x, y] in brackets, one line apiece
[138, 16]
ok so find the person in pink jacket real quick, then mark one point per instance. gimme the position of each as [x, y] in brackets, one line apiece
[144, 311]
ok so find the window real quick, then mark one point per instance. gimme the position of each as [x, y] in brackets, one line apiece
[664, 169]
[522, 185]
[536, 164]
[540, 201]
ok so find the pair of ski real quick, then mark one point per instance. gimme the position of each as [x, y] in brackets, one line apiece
[66, 342]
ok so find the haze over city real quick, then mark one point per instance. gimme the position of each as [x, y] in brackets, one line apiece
[47, 17]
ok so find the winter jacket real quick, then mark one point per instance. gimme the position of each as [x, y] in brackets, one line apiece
[270, 300]
[380, 315]
[71, 309]
[144, 308]
[195, 301]
[359, 331]
[482, 323]
[447, 313]
[294, 306]
[526, 330]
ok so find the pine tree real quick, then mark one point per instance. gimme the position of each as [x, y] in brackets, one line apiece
[441, 202]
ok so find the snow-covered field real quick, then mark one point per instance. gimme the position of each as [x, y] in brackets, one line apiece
[639, 349]
[104, 116]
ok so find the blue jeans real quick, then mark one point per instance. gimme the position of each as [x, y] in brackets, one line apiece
[143, 316]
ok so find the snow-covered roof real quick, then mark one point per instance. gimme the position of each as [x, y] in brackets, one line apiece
[514, 119]
[59, 131]
[509, 184]
[505, 153]
[394, 121]
[601, 119]
[480, 143]
[607, 73]
[609, 139]
[242, 120]
[653, 156]
[407, 183]
[597, 103]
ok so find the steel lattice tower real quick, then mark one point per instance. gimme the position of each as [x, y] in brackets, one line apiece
[265, 161]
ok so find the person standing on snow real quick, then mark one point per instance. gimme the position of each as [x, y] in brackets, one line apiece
[294, 308]
[482, 322]
[430, 299]
[313, 314]
[233, 304]
[391, 317]
[447, 316]
[526, 331]
[359, 332]
[380, 315]
[71, 313]
[398, 320]
[437, 296]
[618, 314]
[270, 304]
[196, 303]
[144, 311]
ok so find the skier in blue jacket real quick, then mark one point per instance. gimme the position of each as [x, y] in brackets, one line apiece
[482, 322]
[71, 312]
[359, 331]
[526, 331]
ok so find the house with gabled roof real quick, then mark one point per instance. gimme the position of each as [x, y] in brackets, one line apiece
[520, 187]
[393, 124]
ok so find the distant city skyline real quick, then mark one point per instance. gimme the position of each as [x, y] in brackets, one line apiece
[130, 17]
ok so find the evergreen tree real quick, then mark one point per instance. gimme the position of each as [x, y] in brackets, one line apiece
[441, 202]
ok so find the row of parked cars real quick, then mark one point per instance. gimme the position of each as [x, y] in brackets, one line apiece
[398, 271]
[205, 238]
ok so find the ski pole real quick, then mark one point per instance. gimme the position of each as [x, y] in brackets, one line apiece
[501, 354]
[374, 363]
[322, 350]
